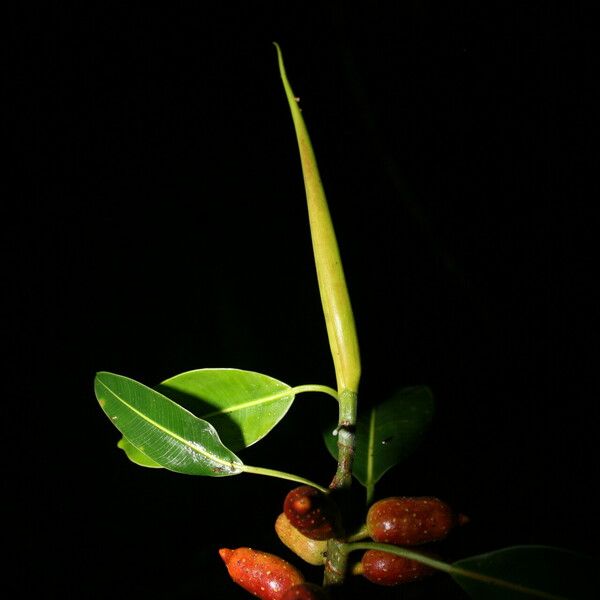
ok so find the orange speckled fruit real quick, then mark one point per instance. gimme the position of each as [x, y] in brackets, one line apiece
[305, 591]
[260, 573]
[384, 568]
[409, 521]
[311, 512]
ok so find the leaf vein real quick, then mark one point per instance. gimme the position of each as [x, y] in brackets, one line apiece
[195, 448]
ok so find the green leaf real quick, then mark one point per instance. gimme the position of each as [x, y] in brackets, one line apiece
[388, 433]
[162, 430]
[528, 572]
[136, 456]
[243, 406]
[517, 573]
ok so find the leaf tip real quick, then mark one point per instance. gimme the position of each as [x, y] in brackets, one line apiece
[278, 48]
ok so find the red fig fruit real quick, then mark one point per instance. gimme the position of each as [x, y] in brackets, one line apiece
[311, 512]
[260, 573]
[384, 568]
[305, 591]
[409, 521]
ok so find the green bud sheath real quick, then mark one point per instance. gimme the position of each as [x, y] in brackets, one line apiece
[332, 284]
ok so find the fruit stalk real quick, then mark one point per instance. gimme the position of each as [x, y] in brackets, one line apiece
[336, 563]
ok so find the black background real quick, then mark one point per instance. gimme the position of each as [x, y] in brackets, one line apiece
[161, 226]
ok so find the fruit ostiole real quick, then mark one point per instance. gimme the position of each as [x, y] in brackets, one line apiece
[339, 318]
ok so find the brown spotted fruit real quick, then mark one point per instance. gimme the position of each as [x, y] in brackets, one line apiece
[305, 591]
[311, 512]
[410, 521]
[384, 568]
[260, 573]
[311, 551]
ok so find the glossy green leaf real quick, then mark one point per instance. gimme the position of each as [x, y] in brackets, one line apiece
[162, 430]
[388, 433]
[529, 572]
[243, 406]
[136, 456]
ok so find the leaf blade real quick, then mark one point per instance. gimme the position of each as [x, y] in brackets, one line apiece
[388, 433]
[162, 430]
[136, 456]
[243, 406]
[521, 572]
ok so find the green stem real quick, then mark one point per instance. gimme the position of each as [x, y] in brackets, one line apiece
[345, 432]
[400, 551]
[361, 534]
[281, 475]
[336, 563]
[451, 569]
[299, 389]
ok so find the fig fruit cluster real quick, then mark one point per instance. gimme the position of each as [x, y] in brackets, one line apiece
[404, 521]
[310, 518]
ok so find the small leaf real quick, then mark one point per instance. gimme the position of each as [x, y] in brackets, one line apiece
[388, 433]
[243, 406]
[137, 456]
[529, 572]
[169, 435]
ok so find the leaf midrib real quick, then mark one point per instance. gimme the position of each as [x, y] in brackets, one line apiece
[249, 404]
[172, 434]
